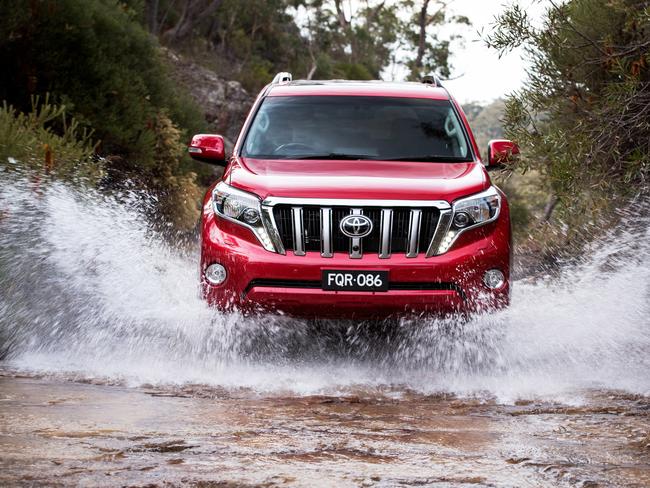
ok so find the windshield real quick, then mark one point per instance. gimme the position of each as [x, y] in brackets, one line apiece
[349, 127]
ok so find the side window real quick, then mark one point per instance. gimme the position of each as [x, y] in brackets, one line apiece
[454, 132]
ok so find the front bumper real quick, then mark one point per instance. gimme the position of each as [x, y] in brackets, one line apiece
[259, 280]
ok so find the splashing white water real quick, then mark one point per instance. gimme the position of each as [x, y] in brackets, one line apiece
[87, 289]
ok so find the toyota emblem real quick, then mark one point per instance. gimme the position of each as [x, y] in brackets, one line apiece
[356, 226]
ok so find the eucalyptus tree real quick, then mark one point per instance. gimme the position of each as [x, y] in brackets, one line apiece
[583, 115]
[429, 49]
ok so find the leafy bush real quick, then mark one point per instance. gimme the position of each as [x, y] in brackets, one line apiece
[100, 63]
[96, 58]
[178, 192]
[28, 139]
[583, 113]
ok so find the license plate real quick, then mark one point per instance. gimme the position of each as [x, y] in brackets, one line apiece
[348, 280]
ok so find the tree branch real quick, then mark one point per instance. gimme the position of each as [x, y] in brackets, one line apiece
[575, 29]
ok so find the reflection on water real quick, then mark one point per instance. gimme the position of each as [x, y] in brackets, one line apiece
[97, 435]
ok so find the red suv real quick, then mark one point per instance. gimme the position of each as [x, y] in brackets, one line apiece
[355, 199]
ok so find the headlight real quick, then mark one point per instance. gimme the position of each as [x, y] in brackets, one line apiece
[471, 212]
[243, 208]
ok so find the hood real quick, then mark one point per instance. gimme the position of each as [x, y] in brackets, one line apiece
[357, 179]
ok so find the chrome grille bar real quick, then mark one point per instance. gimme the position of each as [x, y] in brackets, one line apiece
[385, 231]
[298, 232]
[414, 233]
[326, 232]
[356, 251]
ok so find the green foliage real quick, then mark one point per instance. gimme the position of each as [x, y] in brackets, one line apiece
[180, 193]
[422, 36]
[246, 40]
[251, 40]
[582, 116]
[527, 193]
[358, 41]
[97, 59]
[46, 140]
[100, 63]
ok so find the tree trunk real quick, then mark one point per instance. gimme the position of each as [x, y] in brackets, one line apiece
[346, 27]
[193, 12]
[152, 15]
[549, 207]
[314, 65]
[422, 40]
[343, 22]
[310, 46]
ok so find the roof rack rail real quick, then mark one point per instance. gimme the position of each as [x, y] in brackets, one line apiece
[432, 80]
[282, 77]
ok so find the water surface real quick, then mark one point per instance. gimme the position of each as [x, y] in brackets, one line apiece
[115, 372]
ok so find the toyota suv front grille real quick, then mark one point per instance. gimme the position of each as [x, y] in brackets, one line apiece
[404, 227]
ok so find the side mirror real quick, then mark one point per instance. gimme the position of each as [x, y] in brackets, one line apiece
[208, 148]
[501, 152]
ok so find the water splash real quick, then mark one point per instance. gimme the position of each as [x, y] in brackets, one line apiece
[88, 290]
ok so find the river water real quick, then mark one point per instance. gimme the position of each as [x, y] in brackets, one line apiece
[114, 372]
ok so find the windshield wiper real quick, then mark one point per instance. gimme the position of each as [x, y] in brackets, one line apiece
[343, 156]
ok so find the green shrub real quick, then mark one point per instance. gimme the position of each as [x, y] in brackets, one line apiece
[97, 60]
[180, 196]
[102, 67]
[582, 114]
[28, 140]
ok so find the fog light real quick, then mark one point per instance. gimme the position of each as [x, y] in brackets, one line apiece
[215, 274]
[494, 279]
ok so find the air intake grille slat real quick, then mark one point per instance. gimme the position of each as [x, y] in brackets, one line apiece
[400, 219]
[282, 216]
[311, 216]
[341, 243]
